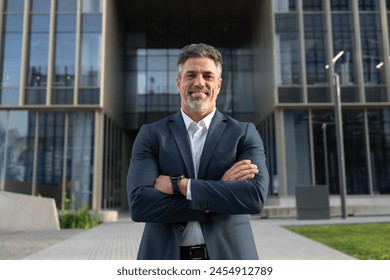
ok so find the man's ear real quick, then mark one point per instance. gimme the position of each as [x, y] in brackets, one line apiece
[178, 84]
[219, 85]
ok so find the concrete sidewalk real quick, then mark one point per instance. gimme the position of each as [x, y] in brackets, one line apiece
[120, 241]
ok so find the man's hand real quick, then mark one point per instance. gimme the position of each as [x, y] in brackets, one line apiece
[163, 184]
[241, 170]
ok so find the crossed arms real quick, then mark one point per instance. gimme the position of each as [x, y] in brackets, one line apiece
[241, 189]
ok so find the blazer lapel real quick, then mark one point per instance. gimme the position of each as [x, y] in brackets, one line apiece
[217, 126]
[180, 135]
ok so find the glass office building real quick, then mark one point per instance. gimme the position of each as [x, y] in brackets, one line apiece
[79, 77]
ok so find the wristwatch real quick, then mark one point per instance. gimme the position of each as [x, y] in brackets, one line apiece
[175, 178]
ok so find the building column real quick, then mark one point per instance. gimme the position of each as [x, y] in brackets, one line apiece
[97, 189]
[280, 152]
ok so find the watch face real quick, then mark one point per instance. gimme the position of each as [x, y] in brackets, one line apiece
[176, 176]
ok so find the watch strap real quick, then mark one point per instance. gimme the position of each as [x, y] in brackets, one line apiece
[175, 183]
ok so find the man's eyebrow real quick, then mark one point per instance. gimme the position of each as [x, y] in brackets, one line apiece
[204, 72]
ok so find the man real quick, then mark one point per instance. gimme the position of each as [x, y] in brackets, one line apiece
[195, 176]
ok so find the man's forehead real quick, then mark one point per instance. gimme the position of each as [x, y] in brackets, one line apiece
[200, 64]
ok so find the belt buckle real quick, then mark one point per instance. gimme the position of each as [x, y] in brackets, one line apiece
[198, 247]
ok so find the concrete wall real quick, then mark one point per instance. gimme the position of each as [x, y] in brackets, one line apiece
[19, 212]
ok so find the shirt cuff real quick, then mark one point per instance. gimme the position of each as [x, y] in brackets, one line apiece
[189, 196]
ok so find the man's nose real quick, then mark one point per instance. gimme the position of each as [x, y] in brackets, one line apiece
[199, 81]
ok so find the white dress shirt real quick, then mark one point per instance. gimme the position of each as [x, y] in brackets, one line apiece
[197, 132]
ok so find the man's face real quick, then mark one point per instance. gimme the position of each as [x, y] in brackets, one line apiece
[199, 85]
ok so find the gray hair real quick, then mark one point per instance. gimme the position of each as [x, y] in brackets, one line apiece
[200, 50]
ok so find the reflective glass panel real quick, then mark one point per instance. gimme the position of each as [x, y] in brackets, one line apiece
[66, 23]
[298, 144]
[290, 94]
[90, 59]
[318, 94]
[379, 133]
[157, 82]
[369, 5]
[37, 66]
[172, 87]
[67, 6]
[282, 6]
[14, 6]
[340, 5]
[312, 5]
[40, 6]
[157, 63]
[13, 23]
[40, 23]
[325, 149]
[50, 155]
[376, 93]
[315, 49]
[9, 96]
[79, 175]
[91, 23]
[343, 40]
[62, 96]
[35, 96]
[372, 51]
[65, 49]
[355, 152]
[91, 6]
[3, 132]
[20, 147]
[11, 60]
[286, 47]
[89, 96]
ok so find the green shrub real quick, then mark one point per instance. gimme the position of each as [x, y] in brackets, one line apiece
[80, 218]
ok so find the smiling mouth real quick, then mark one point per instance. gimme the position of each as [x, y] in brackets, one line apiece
[198, 92]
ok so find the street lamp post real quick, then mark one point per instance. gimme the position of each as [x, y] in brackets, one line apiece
[325, 153]
[340, 145]
[339, 136]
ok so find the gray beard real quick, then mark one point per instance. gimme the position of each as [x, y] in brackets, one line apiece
[197, 105]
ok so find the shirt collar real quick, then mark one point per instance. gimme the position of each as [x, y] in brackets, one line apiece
[206, 120]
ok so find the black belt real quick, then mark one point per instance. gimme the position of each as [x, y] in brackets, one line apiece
[197, 252]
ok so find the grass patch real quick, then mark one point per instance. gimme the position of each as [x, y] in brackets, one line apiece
[361, 241]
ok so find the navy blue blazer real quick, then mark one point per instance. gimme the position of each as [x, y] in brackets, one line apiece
[221, 207]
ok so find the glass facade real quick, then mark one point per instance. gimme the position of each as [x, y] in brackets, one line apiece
[379, 137]
[64, 154]
[61, 132]
[38, 46]
[11, 52]
[112, 167]
[64, 53]
[297, 149]
[309, 45]
[90, 52]
[50, 152]
[151, 70]
[17, 150]
[288, 57]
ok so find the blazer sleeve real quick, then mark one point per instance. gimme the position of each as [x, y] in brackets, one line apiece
[147, 204]
[240, 196]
